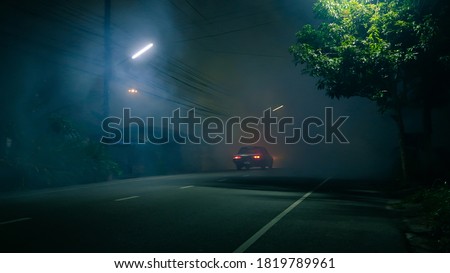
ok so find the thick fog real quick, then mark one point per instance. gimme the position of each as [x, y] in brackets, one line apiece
[224, 58]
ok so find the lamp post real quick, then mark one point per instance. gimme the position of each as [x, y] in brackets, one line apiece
[107, 58]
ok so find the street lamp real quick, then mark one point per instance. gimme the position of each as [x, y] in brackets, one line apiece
[140, 52]
[278, 108]
[136, 55]
[108, 73]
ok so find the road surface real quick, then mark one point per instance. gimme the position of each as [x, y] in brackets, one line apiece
[234, 211]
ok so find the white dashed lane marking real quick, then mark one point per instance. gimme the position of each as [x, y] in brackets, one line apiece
[126, 198]
[15, 221]
[264, 229]
[186, 187]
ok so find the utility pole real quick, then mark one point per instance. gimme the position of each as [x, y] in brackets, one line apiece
[107, 58]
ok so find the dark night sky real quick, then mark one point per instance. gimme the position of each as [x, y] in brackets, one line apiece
[53, 50]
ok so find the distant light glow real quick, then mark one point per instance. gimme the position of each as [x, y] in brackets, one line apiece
[132, 91]
[278, 108]
[140, 52]
[257, 157]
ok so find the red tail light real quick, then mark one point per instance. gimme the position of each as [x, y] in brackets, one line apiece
[257, 157]
[236, 157]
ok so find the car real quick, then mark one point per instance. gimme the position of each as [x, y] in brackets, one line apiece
[252, 156]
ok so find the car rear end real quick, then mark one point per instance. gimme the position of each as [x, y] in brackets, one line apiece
[249, 157]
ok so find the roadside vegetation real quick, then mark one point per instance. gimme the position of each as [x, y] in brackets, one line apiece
[60, 154]
[432, 207]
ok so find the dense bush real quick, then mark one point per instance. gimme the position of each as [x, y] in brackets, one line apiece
[60, 155]
[436, 204]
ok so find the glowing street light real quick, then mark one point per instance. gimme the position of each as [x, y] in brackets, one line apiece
[278, 108]
[140, 52]
[132, 91]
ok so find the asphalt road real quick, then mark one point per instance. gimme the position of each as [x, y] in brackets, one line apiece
[236, 211]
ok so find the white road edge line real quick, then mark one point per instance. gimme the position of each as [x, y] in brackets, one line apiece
[126, 198]
[15, 221]
[186, 187]
[242, 248]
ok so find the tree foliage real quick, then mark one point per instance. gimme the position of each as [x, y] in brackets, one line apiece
[393, 52]
[362, 48]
